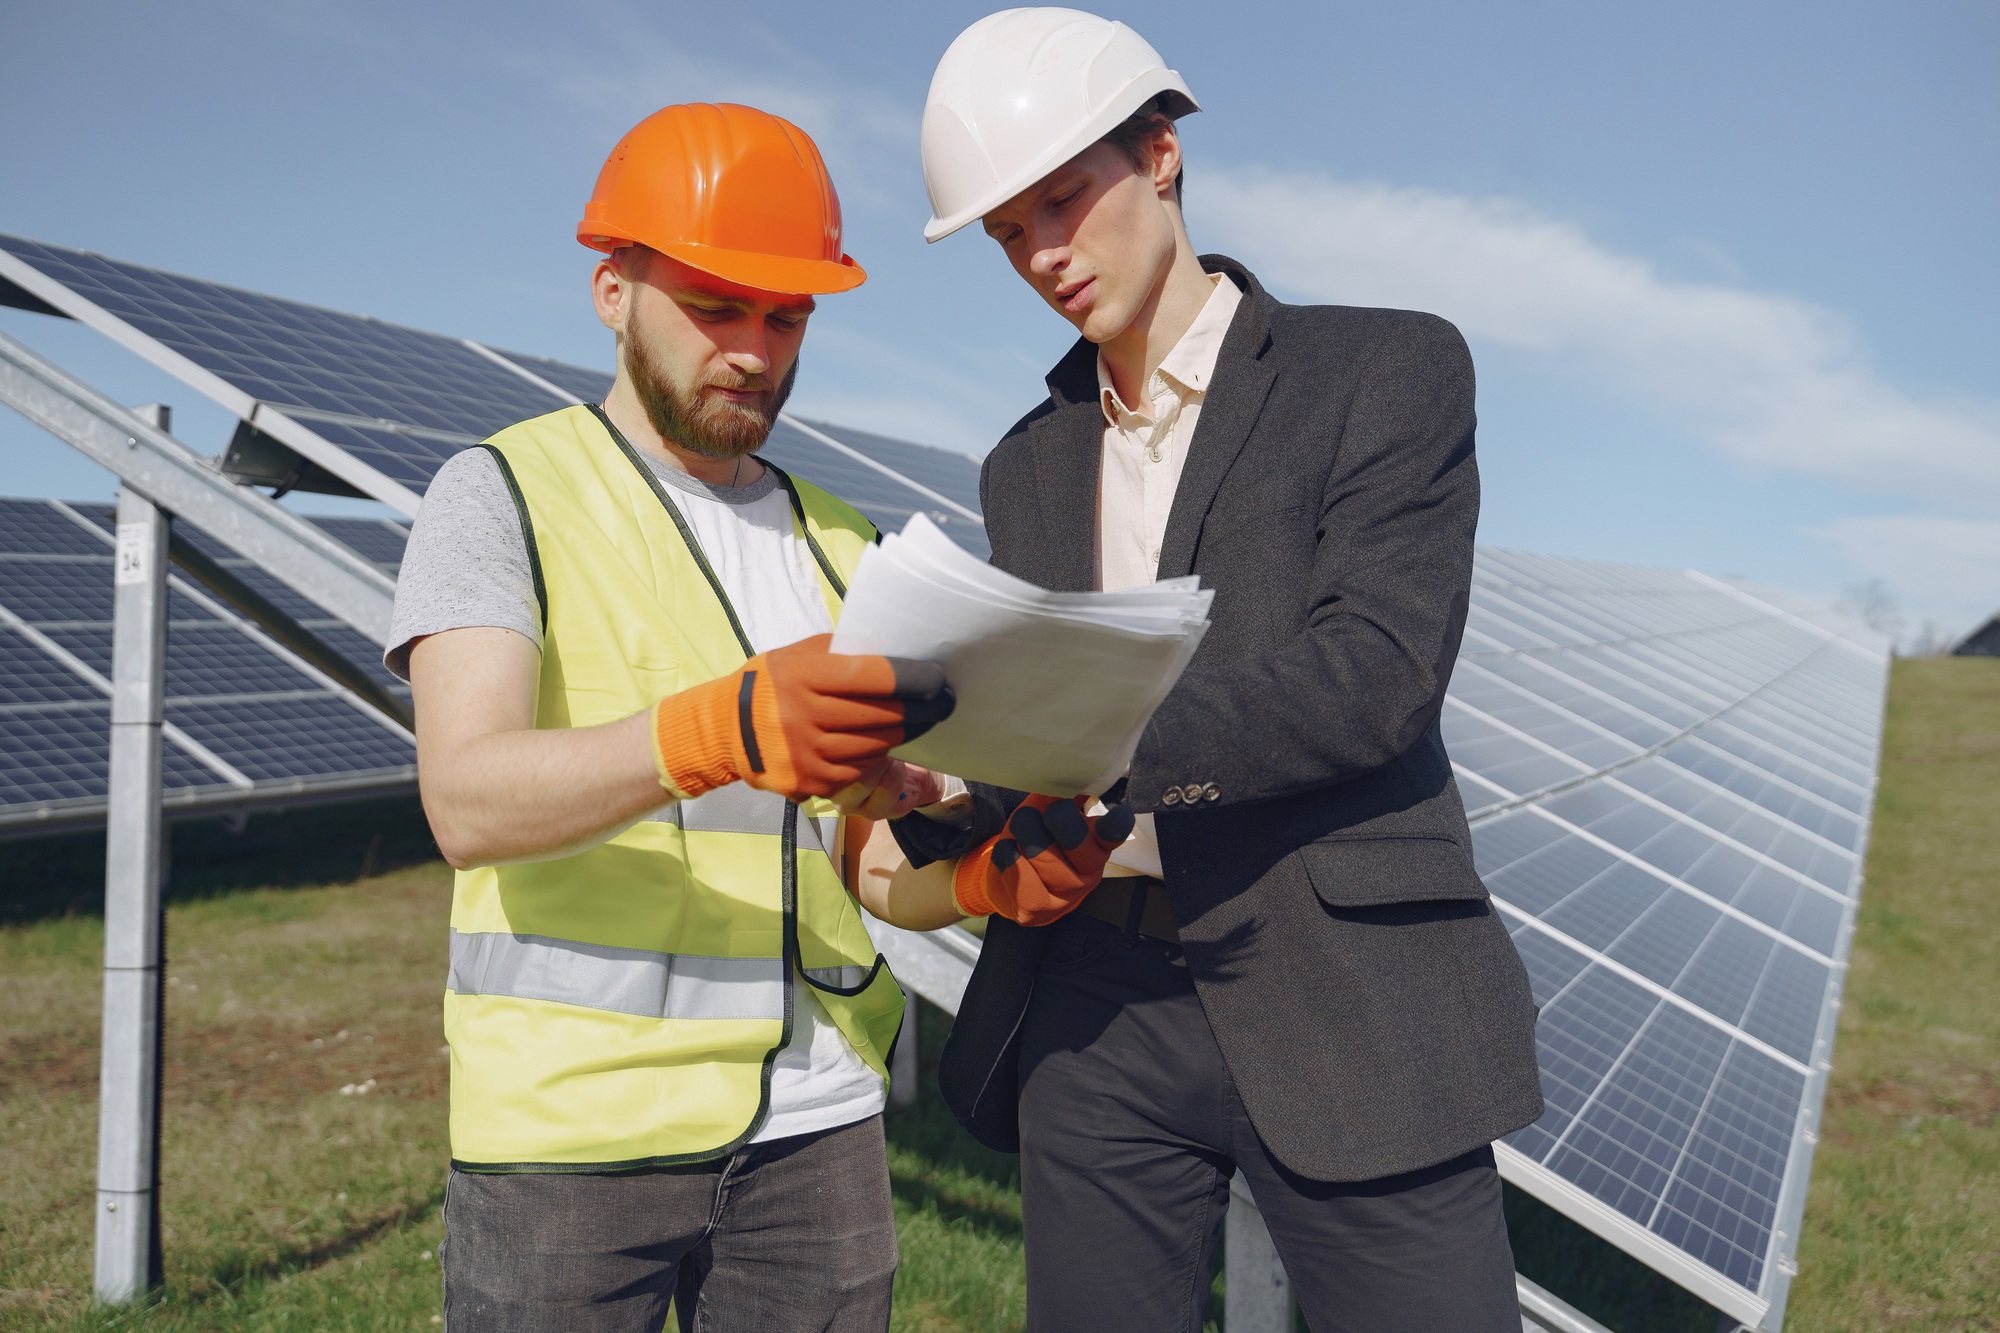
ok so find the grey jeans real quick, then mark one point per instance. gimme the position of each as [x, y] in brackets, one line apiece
[1130, 1131]
[791, 1235]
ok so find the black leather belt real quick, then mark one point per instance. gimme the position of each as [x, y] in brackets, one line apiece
[1114, 900]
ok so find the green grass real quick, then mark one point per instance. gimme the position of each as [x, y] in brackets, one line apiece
[288, 1205]
[1902, 1226]
[291, 1206]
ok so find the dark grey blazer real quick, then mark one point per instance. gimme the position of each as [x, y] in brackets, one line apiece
[1368, 1002]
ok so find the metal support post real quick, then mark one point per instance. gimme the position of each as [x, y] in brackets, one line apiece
[903, 1073]
[1257, 1296]
[128, 1128]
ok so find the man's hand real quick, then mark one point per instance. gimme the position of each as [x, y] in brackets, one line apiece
[1042, 865]
[798, 720]
[898, 789]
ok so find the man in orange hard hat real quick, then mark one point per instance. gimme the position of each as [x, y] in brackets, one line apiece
[669, 1029]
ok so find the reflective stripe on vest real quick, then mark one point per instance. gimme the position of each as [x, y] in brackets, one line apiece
[628, 981]
[742, 808]
[623, 981]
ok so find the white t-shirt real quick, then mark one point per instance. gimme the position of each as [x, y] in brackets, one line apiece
[467, 565]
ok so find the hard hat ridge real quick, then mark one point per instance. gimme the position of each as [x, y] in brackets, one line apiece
[727, 189]
[1023, 91]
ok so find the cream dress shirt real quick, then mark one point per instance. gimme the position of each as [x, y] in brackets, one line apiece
[1145, 447]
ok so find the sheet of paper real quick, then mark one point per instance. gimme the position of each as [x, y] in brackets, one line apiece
[1053, 689]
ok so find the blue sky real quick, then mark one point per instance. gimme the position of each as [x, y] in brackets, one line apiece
[1728, 270]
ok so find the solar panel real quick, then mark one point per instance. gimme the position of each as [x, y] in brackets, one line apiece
[247, 722]
[1669, 776]
[1669, 780]
[401, 401]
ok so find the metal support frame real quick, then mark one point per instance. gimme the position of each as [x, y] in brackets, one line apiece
[154, 464]
[1256, 1295]
[905, 1067]
[128, 1127]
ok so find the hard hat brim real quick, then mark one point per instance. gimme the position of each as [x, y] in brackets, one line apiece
[1126, 102]
[780, 274]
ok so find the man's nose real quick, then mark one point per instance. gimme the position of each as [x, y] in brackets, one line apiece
[1049, 263]
[749, 355]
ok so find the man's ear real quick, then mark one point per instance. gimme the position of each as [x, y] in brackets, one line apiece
[610, 294]
[1166, 146]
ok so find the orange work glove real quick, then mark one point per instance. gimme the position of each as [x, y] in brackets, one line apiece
[1048, 857]
[797, 720]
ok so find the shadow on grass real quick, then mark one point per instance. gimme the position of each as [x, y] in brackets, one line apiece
[64, 875]
[228, 1277]
[921, 1194]
[225, 1282]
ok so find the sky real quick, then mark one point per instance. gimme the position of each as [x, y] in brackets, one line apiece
[1727, 271]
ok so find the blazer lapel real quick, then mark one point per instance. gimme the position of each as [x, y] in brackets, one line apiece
[1236, 395]
[1068, 448]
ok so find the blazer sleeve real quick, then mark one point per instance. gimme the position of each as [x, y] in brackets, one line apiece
[1365, 677]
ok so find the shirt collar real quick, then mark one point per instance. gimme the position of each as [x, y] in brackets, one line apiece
[1190, 365]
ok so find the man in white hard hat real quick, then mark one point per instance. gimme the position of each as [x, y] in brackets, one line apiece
[1291, 967]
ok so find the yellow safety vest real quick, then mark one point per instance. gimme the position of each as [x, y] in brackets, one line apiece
[622, 1007]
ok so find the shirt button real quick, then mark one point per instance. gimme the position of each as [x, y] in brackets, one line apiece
[1156, 555]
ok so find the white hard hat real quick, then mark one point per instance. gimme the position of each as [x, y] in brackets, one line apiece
[1023, 91]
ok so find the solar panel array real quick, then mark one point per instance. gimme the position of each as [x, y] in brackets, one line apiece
[247, 722]
[1669, 779]
[403, 400]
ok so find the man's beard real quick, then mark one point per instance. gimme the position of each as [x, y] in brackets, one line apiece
[710, 426]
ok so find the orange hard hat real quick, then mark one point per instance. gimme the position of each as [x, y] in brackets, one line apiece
[729, 190]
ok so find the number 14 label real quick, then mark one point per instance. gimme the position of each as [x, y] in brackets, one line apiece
[133, 553]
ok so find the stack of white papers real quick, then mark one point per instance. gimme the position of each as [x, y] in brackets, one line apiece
[1054, 688]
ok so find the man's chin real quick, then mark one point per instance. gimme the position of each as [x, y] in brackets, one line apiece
[1101, 324]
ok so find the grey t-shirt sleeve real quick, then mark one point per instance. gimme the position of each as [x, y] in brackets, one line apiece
[466, 563]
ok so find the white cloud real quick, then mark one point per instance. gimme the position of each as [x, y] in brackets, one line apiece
[1954, 561]
[931, 394]
[1770, 380]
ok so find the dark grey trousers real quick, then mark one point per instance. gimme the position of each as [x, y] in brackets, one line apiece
[781, 1237]
[1130, 1132]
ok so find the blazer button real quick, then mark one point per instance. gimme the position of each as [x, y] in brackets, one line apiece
[1171, 796]
[1191, 793]
[1211, 792]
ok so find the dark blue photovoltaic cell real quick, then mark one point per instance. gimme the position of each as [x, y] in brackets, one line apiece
[248, 703]
[1581, 1036]
[288, 353]
[29, 676]
[887, 502]
[949, 474]
[53, 756]
[581, 382]
[1721, 1205]
[409, 459]
[378, 539]
[1625, 1145]
[1692, 769]
[39, 531]
[274, 739]
[392, 386]
[209, 660]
